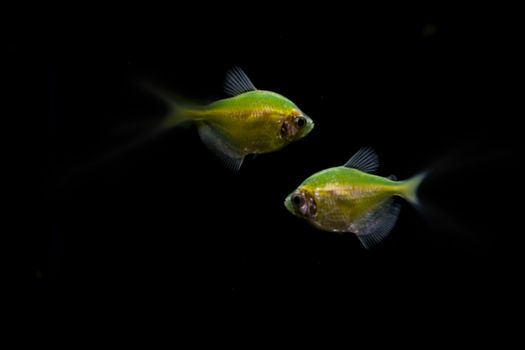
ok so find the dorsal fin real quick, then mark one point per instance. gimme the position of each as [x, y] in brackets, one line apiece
[237, 82]
[365, 160]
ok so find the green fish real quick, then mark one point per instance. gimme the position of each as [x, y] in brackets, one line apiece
[349, 198]
[250, 122]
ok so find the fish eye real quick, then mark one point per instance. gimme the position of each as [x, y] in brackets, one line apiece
[300, 121]
[297, 200]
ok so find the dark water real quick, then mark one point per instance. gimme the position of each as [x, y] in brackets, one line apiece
[165, 227]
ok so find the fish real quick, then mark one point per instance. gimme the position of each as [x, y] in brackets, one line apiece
[350, 198]
[250, 121]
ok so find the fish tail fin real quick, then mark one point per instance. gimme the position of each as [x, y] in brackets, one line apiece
[179, 111]
[411, 187]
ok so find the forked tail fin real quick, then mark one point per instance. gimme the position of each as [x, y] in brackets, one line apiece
[178, 110]
[411, 187]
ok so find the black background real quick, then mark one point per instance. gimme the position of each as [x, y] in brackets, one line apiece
[164, 228]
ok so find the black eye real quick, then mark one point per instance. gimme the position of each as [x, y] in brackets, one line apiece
[300, 121]
[297, 200]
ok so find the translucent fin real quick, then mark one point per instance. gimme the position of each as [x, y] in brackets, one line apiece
[365, 160]
[218, 144]
[411, 187]
[177, 109]
[392, 177]
[237, 82]
[157, 91]
[375, 226]
[122, 149]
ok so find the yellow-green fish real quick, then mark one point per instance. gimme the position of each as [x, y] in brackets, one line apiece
[250, 122]
[349, 198]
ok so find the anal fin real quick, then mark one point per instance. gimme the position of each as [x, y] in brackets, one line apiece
[374, 226]
[220, 146]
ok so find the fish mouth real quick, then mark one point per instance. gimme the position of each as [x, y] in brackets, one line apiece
[288, 204]
[309, 126]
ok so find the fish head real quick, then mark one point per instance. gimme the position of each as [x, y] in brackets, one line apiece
[301, 203]
[296, 125]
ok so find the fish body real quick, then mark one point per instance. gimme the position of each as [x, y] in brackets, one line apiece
[350, 199]
[250, 122]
